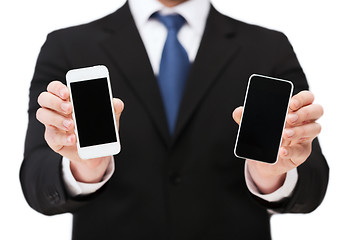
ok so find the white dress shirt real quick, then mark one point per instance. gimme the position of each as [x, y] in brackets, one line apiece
[153, 34]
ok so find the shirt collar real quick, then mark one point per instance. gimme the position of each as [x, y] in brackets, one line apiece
[194, 11]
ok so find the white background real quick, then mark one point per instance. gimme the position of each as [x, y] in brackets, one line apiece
[320, 32]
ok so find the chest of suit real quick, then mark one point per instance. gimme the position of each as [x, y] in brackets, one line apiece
[192, 179]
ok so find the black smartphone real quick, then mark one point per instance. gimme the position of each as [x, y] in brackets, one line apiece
[264, 115]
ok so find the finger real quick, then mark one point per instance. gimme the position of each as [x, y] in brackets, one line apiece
[286, 138]
[51, 101]
[305, 114]
[295, 155]
[59, 89]
[237, 114]
[118, 108]
[302, 133]
[285, 162]
[57, 139]
[51, 118]
[300, 100]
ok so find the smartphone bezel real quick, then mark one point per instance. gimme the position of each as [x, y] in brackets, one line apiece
[87, 74]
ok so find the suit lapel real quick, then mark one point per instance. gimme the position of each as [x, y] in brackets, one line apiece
[126, 49]
[215, 51]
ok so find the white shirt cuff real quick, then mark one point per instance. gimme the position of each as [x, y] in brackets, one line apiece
[284, 191]
[76, 188]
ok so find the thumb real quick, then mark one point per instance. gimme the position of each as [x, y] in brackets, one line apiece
[237, 114]
[118, 108]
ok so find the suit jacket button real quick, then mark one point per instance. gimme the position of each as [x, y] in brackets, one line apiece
[54, 197]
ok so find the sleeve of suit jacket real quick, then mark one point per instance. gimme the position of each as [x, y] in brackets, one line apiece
[41, 170]
[313, 174]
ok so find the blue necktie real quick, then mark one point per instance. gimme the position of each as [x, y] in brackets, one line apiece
[174, 68]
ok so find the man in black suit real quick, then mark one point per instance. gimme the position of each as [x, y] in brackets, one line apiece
[184, 184]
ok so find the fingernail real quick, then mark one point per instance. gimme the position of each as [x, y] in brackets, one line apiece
[62, 93]
[66, 123]
[65, 106]
[292, 117]
[284, 151]
[295, 103]
[289, 133]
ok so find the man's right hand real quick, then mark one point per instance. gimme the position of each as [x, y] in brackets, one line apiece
[56, 114]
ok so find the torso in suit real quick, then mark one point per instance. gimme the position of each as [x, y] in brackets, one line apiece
[189, 186]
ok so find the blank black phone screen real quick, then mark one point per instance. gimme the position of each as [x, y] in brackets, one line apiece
[263, 119]
[93, 113]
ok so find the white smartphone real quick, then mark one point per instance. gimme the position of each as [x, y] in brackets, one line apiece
[263, 120]
[93, 112]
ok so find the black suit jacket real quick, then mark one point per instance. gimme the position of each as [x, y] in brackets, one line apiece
[189, 186]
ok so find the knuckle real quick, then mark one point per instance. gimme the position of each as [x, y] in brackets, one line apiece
[38, 114]
[305, 114]
[45, 99]
[48, 136]
[309, 95]
[299, 97]
[41, 97]
[306, 92]
[52, 139]
[319, 128]
[305, 97]
[54, 103]
[320, 109]
[53, 85]
[312, 97]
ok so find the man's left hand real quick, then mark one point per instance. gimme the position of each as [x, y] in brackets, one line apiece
[300, 130]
